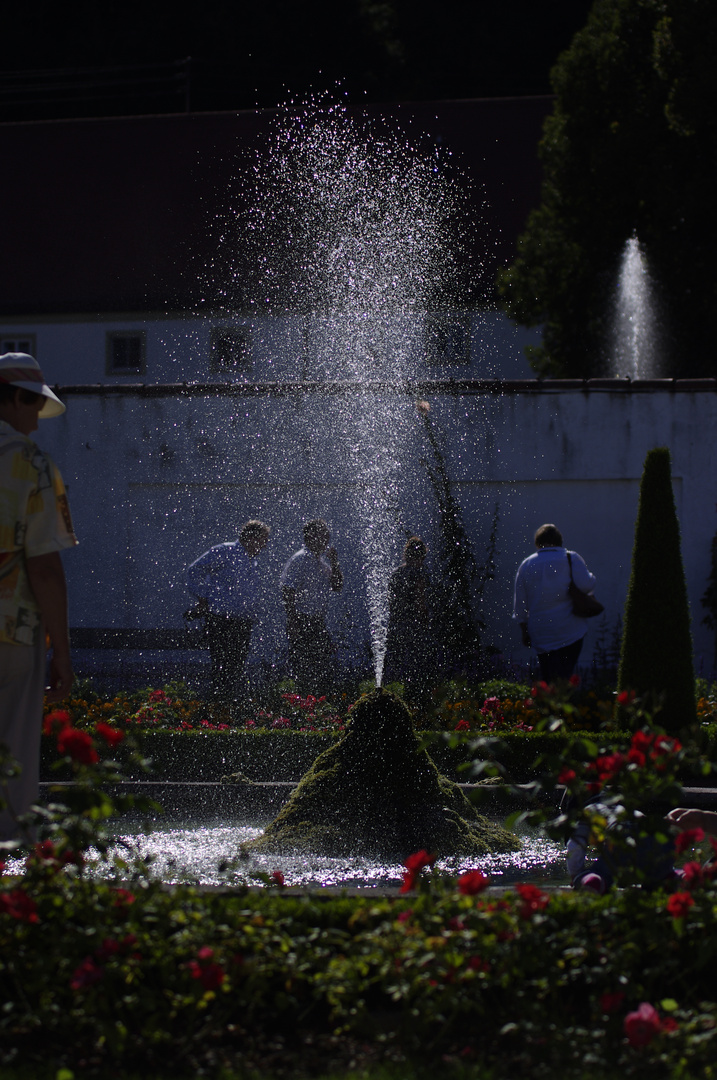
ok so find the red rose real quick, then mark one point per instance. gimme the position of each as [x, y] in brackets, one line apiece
[642, 1026]
[679, 904]
[414, 864]
[611, 1002]
[56, 721]
[688, 839]
[534, 900]
[474, 881]
[210, 974]
[19, 906]
[78, 745]
[111, 735]
[87, 974]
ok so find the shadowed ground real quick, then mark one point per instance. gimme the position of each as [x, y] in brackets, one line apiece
[376, 793]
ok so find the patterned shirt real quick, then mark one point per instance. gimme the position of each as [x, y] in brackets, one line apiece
[34, 520]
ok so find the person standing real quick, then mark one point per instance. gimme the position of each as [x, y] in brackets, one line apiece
[543, 606]
[308, 579]
[410, 646]
[225, 581]
[35, 525]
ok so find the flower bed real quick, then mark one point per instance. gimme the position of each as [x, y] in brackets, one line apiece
[119, 972]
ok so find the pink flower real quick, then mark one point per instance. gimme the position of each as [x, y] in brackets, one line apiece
[642, 1026]
[472, 882]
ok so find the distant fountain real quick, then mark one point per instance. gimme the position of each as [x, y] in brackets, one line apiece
[636, 337]
[353, 229]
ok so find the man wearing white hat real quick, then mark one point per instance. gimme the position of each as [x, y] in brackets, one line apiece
[35, 525]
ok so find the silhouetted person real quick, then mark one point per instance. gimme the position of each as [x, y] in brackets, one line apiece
[307, 581]
[225, 580]
[35, 525]
[544, 608]
[410, 644]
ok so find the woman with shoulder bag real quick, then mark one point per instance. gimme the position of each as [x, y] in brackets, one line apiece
[553, 601]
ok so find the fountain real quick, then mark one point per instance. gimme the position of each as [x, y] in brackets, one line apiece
[635, 329]
[353, 231]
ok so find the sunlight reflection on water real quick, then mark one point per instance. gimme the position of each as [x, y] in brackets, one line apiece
[193, 854]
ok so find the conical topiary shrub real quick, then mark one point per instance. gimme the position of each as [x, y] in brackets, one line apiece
[656, 654]
[377, 793]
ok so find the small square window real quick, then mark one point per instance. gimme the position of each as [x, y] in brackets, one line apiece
[447, 339]
[25, 343]
[125, 352]
[230, 349]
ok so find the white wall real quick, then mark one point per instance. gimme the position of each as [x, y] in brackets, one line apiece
[155, 481]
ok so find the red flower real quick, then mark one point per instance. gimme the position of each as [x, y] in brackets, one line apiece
[534, 900]
[626, 697]
[111, 735]
[56, 721]
[414, 864]
[210, 974]
[474, 881]
[679, 904]
[611, 1002]
[566, 776]
[78, 745]
[688, 839]
[462, 725]
[477, 963]
[86, 974]
[123, 897]
[693, 875]
[19, 906]
[277, 878]
[642, 1026]
[574, 680]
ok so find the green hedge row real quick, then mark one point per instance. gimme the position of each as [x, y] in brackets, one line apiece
[287, 755]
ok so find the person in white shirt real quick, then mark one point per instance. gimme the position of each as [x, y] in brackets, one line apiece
[307, 581]
[543, 606]
[225, 581]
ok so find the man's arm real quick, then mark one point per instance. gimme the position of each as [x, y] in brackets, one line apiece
[337, 578]
[47, 581]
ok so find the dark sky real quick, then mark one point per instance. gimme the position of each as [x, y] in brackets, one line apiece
[245, 54]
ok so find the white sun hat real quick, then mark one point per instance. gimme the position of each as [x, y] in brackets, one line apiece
[22, 370]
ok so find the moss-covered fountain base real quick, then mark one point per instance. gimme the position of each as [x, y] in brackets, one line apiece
[377, 793]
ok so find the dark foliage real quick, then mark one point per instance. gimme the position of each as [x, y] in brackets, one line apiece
[629, 149]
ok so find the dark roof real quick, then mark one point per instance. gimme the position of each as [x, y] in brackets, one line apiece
[116, 214]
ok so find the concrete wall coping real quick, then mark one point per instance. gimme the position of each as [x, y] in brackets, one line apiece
[417, 387]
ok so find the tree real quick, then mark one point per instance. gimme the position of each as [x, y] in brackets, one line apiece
[630, 148]
[656, 654]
